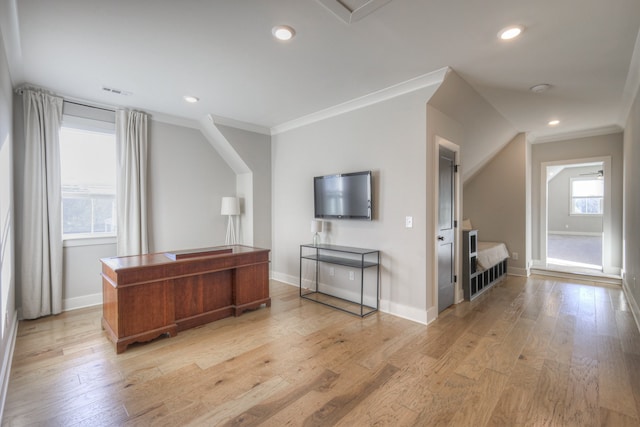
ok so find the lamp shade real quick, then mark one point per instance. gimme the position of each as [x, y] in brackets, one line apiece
[316, 226]
[230, 206]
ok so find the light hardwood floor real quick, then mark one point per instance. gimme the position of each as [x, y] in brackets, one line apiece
[534, 351]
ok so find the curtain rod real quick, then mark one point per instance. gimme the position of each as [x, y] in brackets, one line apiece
[89, 106]
[21, 90]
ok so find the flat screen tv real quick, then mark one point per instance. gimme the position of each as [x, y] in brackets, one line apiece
[343, 196]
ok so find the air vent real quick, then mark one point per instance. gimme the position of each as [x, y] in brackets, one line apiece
[116, 91]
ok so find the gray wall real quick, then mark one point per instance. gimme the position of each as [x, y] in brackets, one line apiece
[632, 206]
[187, 180]
[581, 148]
[388, 138]
[394, 140]
[255, 151]
[495, 201]
[485, 130]
[7, 229]
[559, 217]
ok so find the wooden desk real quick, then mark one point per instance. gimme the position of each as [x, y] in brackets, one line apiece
[146, 296]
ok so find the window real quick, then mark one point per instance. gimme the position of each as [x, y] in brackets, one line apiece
[586, 196]
[88, 172]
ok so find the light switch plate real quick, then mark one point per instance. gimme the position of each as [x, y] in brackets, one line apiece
[408, 222]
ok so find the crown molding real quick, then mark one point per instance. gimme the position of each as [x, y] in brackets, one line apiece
[420, 82]
[586, 133]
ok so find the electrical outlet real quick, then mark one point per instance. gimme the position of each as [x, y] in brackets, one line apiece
[514, 255]
[408, 222]
[352, 275]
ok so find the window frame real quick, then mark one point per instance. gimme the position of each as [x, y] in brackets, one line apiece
[572, 197]
[94, 126]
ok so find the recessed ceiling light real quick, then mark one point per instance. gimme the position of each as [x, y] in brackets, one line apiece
[191, 99]
[283, 32]
[540, 88]
[554, 122]
[511, 32]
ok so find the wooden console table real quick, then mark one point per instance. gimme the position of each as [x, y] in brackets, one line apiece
[146, 296]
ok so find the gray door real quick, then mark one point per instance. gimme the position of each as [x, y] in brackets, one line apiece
[446, 229]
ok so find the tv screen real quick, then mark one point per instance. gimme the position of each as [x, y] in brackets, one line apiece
[343, 196]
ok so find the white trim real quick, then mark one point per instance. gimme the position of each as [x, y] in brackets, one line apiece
[250, 127]
[340, 10]
[75, 303]
[576, 233]
[413, 314]
[586, 133]
[385, 306]
[458, 292]
[7, 359]
[220, 143]
[607, 214]
[285, 278]
[573, 179]
[517, 271]
[604, 279]
[432, 314]
[420, 82]
[635, 310]
[82, 302]
[88, 241]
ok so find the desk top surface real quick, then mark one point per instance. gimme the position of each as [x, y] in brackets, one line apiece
[135, 261]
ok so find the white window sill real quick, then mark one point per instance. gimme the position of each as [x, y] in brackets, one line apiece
[88, 241]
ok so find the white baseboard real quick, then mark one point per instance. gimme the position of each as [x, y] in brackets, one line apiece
[576, 233]
[635, 310]
[75, 303]
[82, 302]
[517, 271]
[7, 358]
[285, 278]
[399, 310]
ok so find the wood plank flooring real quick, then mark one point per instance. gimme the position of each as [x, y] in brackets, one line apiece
[531, 352]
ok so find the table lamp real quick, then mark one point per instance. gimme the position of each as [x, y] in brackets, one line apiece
[230, 207]
[316, 227]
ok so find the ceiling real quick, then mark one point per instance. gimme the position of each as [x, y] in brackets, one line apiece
[222, 52]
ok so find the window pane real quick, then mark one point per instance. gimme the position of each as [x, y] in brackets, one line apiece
[88, 172]
[587, 188]
[579, 206]
[76, 216]
[586, 205]
[103, 215]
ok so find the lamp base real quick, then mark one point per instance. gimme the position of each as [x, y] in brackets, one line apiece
[316, 239]
[231, 232]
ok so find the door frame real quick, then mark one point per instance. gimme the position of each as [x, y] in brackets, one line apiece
[606, 208]
[458, 295]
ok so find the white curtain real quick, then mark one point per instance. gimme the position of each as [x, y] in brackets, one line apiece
[41, 236]
[131, 151]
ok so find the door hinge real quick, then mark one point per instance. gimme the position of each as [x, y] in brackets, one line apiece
[455, 279]
[455, 168]
[455, 223]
